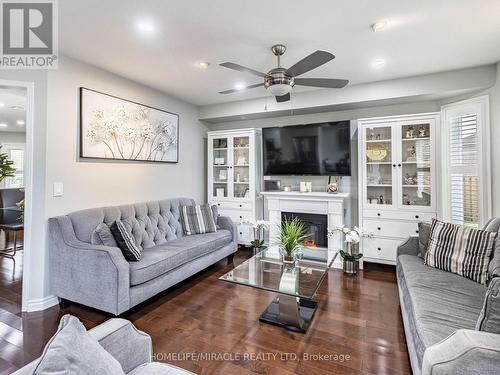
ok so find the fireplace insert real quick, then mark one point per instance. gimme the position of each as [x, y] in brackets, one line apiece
[316, 226]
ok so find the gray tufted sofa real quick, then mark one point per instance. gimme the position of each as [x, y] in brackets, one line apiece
[83, 271]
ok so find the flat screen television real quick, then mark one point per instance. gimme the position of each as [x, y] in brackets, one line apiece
[322, 149]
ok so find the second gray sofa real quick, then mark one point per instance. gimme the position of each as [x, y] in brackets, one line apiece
[99, 276]
[440, 311]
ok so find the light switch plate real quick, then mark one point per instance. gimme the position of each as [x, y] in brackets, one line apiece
[58, 189]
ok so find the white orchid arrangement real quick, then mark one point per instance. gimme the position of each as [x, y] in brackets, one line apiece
[352, 236]
[259, 227]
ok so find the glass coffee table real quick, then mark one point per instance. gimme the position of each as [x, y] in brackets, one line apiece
[295, 286]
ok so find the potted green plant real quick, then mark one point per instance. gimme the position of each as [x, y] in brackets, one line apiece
[6, 168]
[351, 256]
[291, 239]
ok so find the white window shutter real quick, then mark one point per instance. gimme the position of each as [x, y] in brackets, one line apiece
[466, 162]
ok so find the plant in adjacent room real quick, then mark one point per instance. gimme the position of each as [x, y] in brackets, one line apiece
[291, 239]
[259, 227]
[352, 237]
[6, 168]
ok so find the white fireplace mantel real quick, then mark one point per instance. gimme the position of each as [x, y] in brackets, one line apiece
[335, 206]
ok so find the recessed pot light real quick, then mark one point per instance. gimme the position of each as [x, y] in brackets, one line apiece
[3, 125]
[240, 86]
[20, 122]
[378, 63]
[17, 107]
[2, 104]
[203, 64]
[145, 27]
[379, 26]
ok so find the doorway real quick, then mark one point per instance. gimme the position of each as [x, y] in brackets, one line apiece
[13, 105]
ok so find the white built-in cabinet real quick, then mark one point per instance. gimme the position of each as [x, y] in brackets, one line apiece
[234, 177]
[397, 180]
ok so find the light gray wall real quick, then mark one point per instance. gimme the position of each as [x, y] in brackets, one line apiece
[12, 137]
[99, 183]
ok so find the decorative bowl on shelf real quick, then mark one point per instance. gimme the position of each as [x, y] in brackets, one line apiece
[376, 152]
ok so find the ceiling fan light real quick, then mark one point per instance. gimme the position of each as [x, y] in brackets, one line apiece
[280, 89]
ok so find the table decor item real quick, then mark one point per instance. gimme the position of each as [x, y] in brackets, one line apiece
[305, 186]
[351, 255]
[333, 186]
[259, 228]
[291, 238]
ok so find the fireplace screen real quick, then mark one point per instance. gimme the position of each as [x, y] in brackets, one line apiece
[316, 226]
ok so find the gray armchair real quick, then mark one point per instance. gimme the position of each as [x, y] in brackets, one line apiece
[130, 347]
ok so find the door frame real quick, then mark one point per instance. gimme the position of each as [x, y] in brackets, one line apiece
[28, 183]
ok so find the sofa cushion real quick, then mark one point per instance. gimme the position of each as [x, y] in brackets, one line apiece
[161, 259]
[437, 302]
[489, 319]
[102, 236]
[73, 350]
[494, 267]
[460, 249]
[125, 241]
[198, 219]
[424, 233]
[151, 223]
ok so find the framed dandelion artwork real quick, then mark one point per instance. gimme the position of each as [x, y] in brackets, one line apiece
[119, 129]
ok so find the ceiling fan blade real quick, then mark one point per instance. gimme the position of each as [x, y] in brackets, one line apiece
[283, 98]
[322, 82]
[310, 62]
[244, 88]
[242, 68]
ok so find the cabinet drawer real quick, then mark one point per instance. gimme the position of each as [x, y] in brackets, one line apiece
[238, 216]
[388, 228]
[399, 215]
[232, 205]
[245, 234]
[380, 248]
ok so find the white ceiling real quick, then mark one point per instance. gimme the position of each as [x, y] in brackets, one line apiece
[423, 36]
[9, 97]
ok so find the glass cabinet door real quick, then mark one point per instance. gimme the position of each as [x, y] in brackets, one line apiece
[220, 154]
[241, 167]
[416, 165]
[379, 165]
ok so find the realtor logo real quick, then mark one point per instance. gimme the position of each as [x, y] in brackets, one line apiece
[29, 34]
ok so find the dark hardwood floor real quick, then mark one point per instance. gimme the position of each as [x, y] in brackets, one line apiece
[357, 328]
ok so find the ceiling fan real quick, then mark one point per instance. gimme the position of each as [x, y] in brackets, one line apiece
[280, 81]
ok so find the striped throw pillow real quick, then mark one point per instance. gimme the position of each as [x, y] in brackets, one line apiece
[125, 241]
[461, 250]
[198, 219]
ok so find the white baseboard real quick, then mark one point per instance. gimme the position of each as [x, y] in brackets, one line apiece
[41, 303]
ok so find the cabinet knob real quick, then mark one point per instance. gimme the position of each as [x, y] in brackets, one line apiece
[241, 233]
[241, 205]
[379, 248]
[394, 165]
[241, 217]
[218, 204]
[379, 228]
[416, 231]
[378, 213]
[399, 165]
[416, 216]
